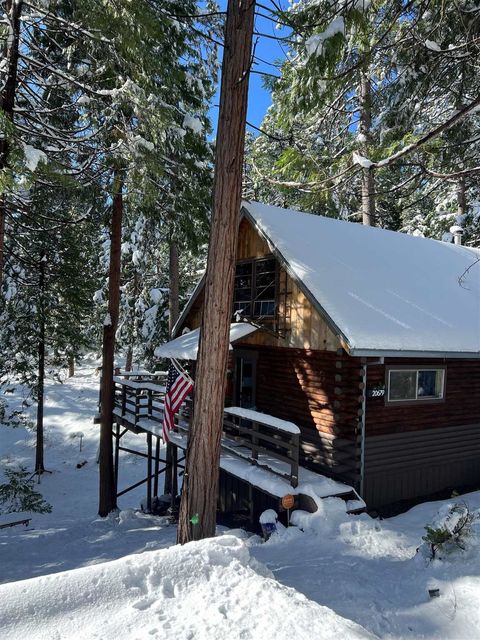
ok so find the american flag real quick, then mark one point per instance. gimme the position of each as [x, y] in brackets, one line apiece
[178, 388]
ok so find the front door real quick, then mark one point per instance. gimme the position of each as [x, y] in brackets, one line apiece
[245, 375]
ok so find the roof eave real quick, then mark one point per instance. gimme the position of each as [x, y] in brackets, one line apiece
[398, 353]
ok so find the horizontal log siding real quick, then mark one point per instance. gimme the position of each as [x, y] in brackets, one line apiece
[320, 392]
[417, 450]
[461, 405]
[413, 464]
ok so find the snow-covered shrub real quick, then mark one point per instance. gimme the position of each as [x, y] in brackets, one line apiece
[18, 493]
[451, 530]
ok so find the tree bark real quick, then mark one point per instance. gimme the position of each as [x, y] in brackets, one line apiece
[39, 458]
[174, 312]
[71, 365]
[461, 199]
[107, 493]
[13, 9]
[365, 125]
[174, 288]
[129, 357]
[197, 517]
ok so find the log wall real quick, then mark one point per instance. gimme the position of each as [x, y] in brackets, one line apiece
[320, 392]
[461, 405]
[416, 450]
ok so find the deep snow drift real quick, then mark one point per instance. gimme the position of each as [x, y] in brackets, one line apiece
[205, 590]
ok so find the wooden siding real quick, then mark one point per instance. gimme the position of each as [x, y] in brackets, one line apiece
[461, 405]
[414, 464]
[297, 323]
[250, 244]
[415, 450]
[320, 392]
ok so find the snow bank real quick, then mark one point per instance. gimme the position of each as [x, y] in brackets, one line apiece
[210, 589]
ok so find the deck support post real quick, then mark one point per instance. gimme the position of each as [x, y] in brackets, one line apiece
[117, 451]
[149, 472]
[157, 464]
[173, 475]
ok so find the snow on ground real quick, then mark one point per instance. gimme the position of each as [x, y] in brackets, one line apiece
[206, 590]
[74, 575]
[72, 535]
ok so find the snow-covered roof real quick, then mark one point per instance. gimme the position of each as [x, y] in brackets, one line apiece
[382, 291]
[185, 347]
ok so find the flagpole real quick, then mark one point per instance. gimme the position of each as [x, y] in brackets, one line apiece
[180, 369]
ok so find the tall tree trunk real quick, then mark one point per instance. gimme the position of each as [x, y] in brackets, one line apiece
[461, 199]
[39, 460]
[71, 365]
[129, 358]
[174, 312]
[13, 10]
[365, 125]
[107, 493]
[199, 496]
[173, 286]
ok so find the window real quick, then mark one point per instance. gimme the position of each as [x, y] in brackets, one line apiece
[415, 384]
[255, 288]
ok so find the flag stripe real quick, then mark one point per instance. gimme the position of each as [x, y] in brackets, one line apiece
[178, 388]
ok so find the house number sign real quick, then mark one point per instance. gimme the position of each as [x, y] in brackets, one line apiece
[376, 392]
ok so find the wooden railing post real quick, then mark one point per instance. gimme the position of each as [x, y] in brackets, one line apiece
[124, 400]
[254, 441]
[149, 403]
[295, 458]
[137, 404]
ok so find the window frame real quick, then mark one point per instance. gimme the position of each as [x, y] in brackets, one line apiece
[254, 289]
[419, 399]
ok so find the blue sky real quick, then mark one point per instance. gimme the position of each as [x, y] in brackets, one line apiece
[259, 99]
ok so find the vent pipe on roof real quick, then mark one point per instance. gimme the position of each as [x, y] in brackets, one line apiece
[457, 233]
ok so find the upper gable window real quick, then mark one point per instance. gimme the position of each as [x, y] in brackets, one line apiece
[416, 385]
[255, 288]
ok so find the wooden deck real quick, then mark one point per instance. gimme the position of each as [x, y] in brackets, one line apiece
[258, 449]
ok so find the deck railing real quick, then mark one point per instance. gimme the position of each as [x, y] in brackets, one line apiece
[255, 438]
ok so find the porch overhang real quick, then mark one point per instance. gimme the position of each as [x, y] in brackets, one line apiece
[185, 347]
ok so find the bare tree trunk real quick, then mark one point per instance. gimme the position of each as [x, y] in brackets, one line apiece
[71, 365]
[461, 199]
[39, 459]
[13, 10]
[174, 286]
[107, 494]
[199, 497]
[365, 125]
[174, 312]
[129, 358]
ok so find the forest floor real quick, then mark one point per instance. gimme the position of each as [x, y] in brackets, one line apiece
[73, 575]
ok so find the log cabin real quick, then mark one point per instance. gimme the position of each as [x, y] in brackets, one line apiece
[367, 340]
